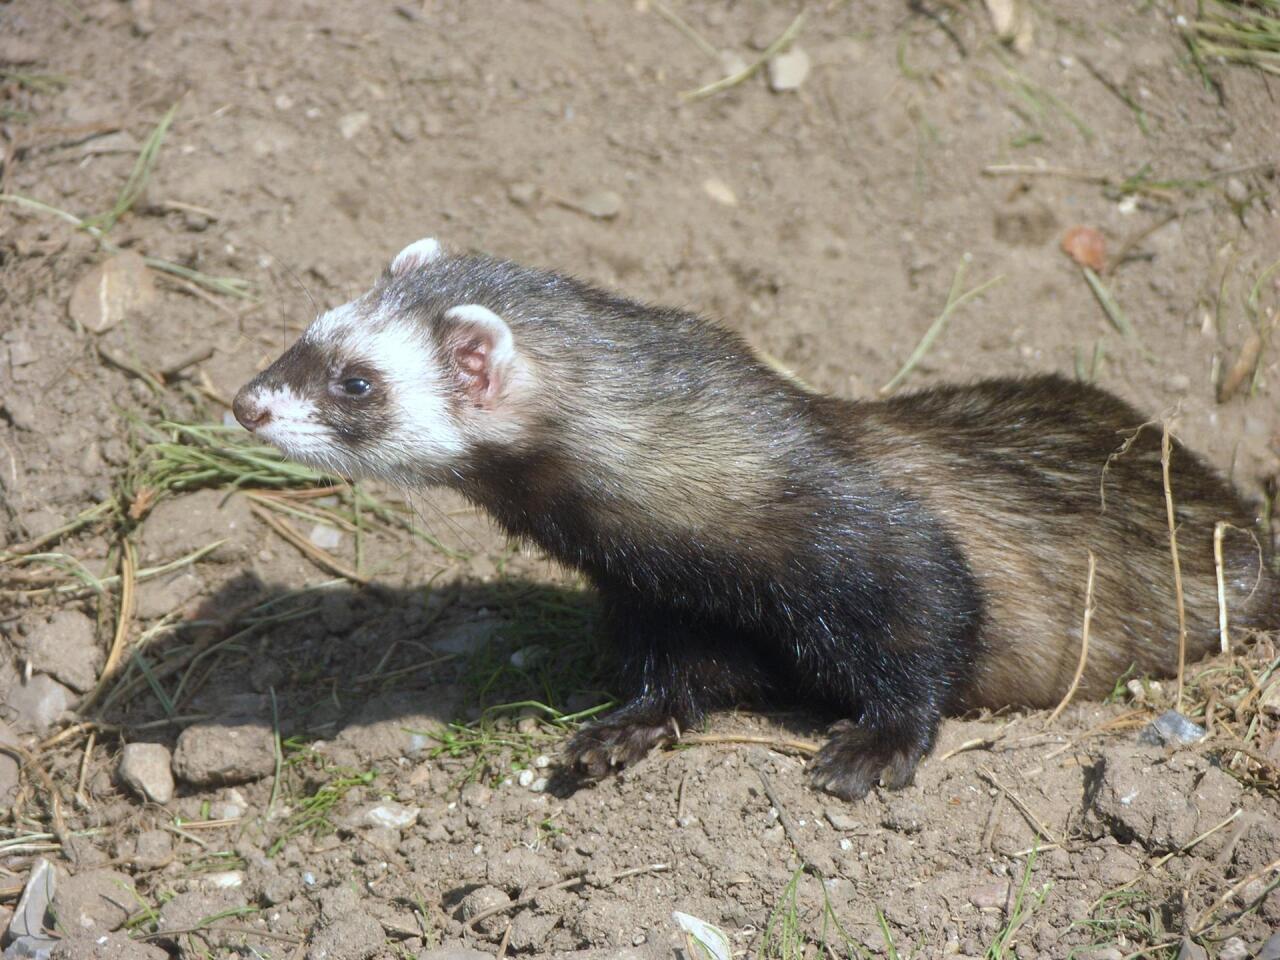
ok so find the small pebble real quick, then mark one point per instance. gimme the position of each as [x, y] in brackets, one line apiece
[145, 769]
[601, 204]
[352, 124]
[325, 537]
[1236, 190]
[787, 71]
[522, 194]
[525, 778]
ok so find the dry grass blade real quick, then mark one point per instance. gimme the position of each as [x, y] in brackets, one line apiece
[322, 558]
[1218, 529]
[719, 86]
[1241, 371]
[1034, 821]
[138, 177]
[1165, 455]
[1084, 642]
[955, 299]
[1238, 32]
[1108, 303]
[128, 566]
[227, 286]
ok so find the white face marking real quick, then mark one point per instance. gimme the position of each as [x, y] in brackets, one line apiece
[504, 347]
[417, 254]
[426, 433]
[293, 426]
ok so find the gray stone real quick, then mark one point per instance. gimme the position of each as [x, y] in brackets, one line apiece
[213, 754]
[454, 953]
[146, 769]
[66, 647]
[94, 902]
[111, 291]
[35, 705]
[601, 204]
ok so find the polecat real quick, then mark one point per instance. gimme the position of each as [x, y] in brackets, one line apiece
[885, 561]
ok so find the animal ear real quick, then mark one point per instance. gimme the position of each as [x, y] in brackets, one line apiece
[479, 346]
[416, 255]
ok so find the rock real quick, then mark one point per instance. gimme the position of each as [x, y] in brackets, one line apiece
[1190, 950]
[22, 413]
[66, 647]
[601, 204]
[325, 537]
[113, 946]
[354, 937]
[1162, 812]
[990, 896]
[523, 194]
[145, 768]
[1233, 948]
[520, 869]
[1271, 949]
[405, 128]
[388, 815]
[27, 931]
[223, 880]
[352, 124]
[841, 819]
[720, 192]
[1236, 190]
[214, 754]
[1269, 702]
[94, 902]
[111, 291]
[1171, 728]
[479, 901]
[35, 705]
[788, 71]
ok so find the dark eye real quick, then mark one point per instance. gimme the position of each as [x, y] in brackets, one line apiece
[356, 386]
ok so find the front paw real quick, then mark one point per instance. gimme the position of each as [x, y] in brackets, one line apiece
[855, 759]
[610, 745]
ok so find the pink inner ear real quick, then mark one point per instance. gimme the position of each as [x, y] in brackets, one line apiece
[472, 356]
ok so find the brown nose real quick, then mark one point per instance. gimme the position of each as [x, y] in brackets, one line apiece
[249, 411]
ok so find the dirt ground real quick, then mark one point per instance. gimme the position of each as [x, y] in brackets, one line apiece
[246, 714]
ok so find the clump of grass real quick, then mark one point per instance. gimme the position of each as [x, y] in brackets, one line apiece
[1024, 904]
[786, 937]
[138, 177]
[311, 813]
[99, 225]
[1238, 31]
[543, 656]
[1131, 919]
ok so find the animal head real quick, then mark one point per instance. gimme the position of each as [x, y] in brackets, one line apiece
[403, 382]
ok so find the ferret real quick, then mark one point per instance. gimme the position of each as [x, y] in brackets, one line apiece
[884, 562]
